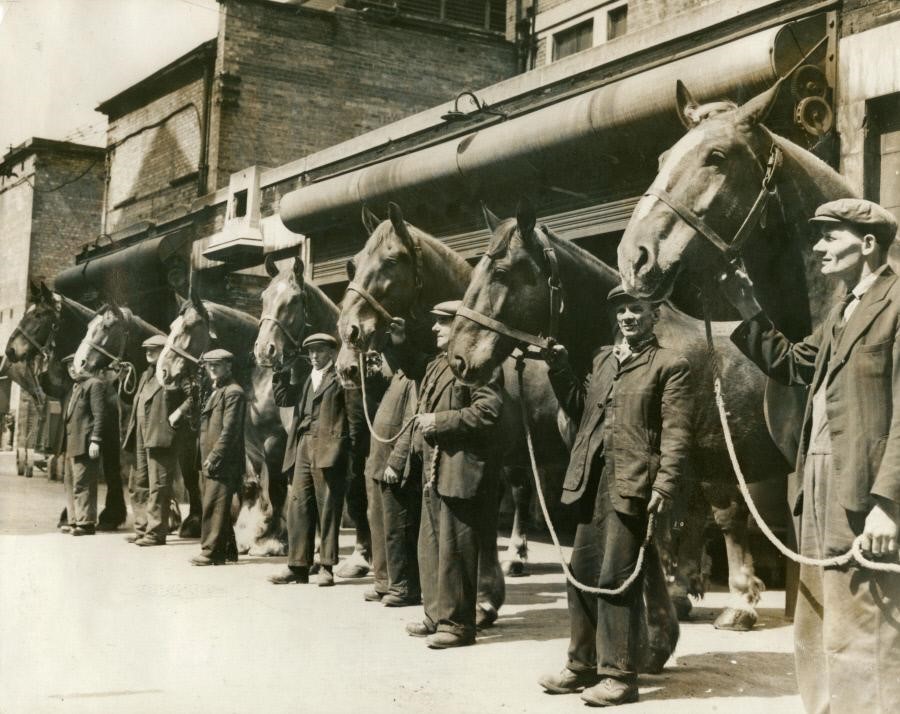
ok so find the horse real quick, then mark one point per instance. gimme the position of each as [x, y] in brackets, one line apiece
[512, 285]
[50, 329]
[202, 325]
[113, 340]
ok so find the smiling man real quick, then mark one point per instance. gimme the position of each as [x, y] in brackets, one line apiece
[847, 622]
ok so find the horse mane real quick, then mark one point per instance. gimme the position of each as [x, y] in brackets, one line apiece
[449, 272]
[321, 311]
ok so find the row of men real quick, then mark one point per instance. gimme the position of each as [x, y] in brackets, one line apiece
[636, 401]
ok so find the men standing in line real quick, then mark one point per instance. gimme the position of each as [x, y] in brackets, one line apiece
[222, 458]
[151, 437]
[84, 419]
[452, 445]
[633, 436]
[320, 473]
[847, 620]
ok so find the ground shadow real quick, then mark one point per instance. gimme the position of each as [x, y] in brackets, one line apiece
[536, 625]
[770, 618]
[533, 593]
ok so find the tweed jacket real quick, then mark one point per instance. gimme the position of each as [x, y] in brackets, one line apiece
[329, 433]
[84, 416]
[222, 433]
[465, 434]
[643, 406]
[861, 375]
[157, 432]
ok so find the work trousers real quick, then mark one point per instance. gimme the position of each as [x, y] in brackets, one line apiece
[605, 631]
[81, 479]
[316, 496]
[216, 529]
[151, 489]
[847, 620]
[357, 506]
[394, 515]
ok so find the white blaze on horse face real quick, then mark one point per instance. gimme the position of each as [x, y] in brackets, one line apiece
[686, 147]
[84, 349]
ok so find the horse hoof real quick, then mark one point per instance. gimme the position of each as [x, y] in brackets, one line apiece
[353, 567]
[735, 619]
[514, 568]
[654, 661]
[190, 527]
[485, 616]
[683, 606]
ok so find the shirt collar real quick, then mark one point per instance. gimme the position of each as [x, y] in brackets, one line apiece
[624, 351]
[863, 285]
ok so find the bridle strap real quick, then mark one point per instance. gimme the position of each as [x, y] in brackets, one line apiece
[183, 353]
[729, 250]
[124, 343]
[284, 330]
[369, 298]
[496, 326]
[44, 349]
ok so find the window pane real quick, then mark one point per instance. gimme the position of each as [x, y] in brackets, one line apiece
[573, 39]
[617, 22]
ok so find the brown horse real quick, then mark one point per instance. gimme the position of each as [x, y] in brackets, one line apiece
[510, 285]
[203, 325]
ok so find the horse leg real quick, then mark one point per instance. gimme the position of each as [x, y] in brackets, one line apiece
[660, 630]
[690, 570]
[358, 564]
[745, 587]
[186, 446]
[491, 584]
[517, 552]
[115, 512]
[270, 535]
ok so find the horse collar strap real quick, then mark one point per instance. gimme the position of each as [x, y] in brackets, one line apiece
[732, 250]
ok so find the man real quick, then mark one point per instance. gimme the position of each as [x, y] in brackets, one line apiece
[84, 417]
[633, 437]
[847, 619]
[451, 446]
[222, 458]
[151, 435]
[320, 430]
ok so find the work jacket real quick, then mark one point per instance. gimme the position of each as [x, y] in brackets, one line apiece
[155, 428]
[84, 416]
[222, 433]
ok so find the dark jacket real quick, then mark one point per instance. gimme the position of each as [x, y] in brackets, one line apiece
[397, 406]
[157, 432]
[222, 433]
[329, 433]
[465, 418]
[84, 416]
[862, 382]
[643, 406]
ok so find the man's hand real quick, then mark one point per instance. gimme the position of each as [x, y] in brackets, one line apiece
[426, 423]
[880, 531]
[659, 503]
[174, 418]
[556, 355]
[94, 450]
[397, 331]
[391, 476]
[738, 289]
[205, 467]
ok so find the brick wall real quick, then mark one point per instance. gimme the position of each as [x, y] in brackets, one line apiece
[16, 203]
[303, 80]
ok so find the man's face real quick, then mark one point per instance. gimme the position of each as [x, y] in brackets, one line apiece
[636, 319]
[441, 332]
[842, 250]
[218, 370]
[73, 373]
[153, 355]
[320, 355]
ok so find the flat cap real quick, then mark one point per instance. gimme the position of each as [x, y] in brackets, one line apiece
[320, 338]
[68, 358]
[217, 355]
[861, 213]
[154, 341]
[447, 308]
[618, 294]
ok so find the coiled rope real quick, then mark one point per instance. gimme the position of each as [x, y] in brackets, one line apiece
[383, 439]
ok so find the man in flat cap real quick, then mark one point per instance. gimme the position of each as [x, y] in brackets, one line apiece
[634, 412]
[452, 445]
[222, 457]
[84, 419]
[321, 433]
[847, 620]
[151, 437]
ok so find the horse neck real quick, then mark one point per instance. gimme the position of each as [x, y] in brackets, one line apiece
[235, 330]
[73, 321]
[445, 273]
[321, 312]
[138, 331]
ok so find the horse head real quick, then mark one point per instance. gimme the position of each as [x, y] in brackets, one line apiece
[106, 339]
[385, 280]
[32, 337]
[189, 337]
[283, 322]
[509, 285]
[706, 184]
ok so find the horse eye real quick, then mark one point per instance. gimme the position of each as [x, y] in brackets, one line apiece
[715, 158]
[501, 273]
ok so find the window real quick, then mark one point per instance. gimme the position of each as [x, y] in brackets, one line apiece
[883, 152]
[573, 39]
[617, 22]
[240, 204]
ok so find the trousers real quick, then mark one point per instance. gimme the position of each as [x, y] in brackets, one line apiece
[394, 517]
[216, 529]
[151, 489]
[80, 480]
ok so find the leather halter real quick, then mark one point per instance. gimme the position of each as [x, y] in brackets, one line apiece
[43, 349]
[184, 353]
[556, 304]
[115, 359]
[730, 250]
[295, 341]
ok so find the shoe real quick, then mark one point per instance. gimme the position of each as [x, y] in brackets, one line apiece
[325, 578]
[567, 681]
[392, 600]
[133, 537]
[83, 530]
[373, 596]
[485, 615]
[314, 569]
[446, 640]
[146, 541]
[418, 629]
[206, 560]
[65, 528]
[610, 692]
[289, 576]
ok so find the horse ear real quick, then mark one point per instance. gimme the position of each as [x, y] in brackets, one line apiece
[686, 105]
[35, 294]
[369, 220]
[757, 109]
[525, 218]
[271, 267]
[46, 293]
[490, 218]
[299, 269]
[400, 227]
[198, 305]
[351, 268]
[115, 310]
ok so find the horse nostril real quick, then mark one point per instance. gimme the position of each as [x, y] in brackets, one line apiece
[270, 350]
[459, 365]
[642, 260]
[10, 354]
[353, 334]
